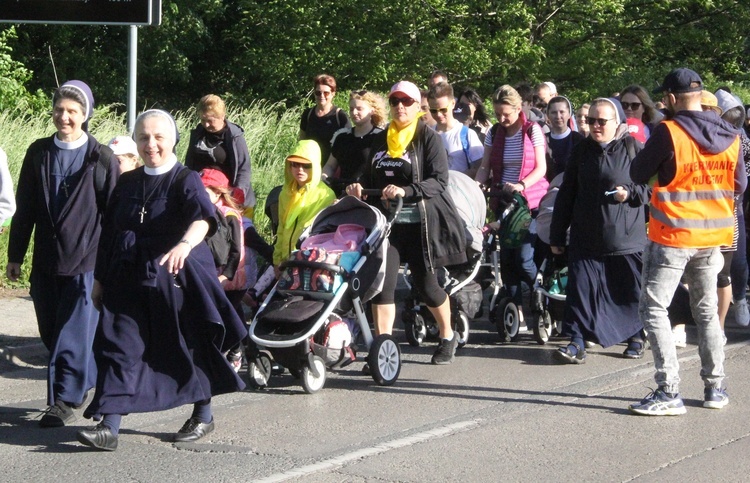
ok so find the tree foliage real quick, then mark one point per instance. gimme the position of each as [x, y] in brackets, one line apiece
[270, 49]
[13, 78]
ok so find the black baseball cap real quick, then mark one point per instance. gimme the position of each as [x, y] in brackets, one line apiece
[679, 81]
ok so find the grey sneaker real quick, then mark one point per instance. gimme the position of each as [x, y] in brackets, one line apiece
[715, 398]
[446, 351]
[741, 313]
[659, 403]
[57, 416]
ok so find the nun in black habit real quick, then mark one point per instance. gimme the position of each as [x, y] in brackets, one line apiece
[165, 319]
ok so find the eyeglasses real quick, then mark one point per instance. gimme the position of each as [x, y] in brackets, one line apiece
[294, 165]
[601, 122]
[406, 101]
[323, 93]
[442, 111]
[631, 106]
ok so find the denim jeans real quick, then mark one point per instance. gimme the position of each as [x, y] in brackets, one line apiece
[663, 267]
[517, 265]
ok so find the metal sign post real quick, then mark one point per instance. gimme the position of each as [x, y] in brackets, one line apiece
[91, 12]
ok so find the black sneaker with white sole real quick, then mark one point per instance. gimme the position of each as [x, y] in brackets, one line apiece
[446, 351]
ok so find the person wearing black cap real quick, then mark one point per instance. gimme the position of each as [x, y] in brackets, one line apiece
[63, 187]
[695, 158]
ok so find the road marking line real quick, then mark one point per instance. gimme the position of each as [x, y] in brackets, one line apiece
[341, 460]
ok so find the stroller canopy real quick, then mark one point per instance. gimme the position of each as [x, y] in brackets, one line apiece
[471, 206]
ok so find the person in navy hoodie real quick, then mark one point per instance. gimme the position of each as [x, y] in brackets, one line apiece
[63, 187]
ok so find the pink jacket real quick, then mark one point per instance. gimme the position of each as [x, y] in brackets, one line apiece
[534, 192]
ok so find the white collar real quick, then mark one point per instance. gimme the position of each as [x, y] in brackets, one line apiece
[164, 168]
[73, 144]
[560, 136]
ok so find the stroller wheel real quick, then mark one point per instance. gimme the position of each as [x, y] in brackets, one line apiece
[384, 360]
[414, 328]
[461, 327]
[507, 320]
[259, 371]
[542, 328]
[310, 382]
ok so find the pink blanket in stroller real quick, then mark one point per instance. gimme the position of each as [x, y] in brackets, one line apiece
[347, 238]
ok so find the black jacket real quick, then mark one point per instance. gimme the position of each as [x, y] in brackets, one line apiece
[443, 239]
[599, 225]
[238, 158]
[66, 246]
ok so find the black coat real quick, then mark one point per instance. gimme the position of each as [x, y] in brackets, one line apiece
[67, 245]
[443, 238]
[599, 225]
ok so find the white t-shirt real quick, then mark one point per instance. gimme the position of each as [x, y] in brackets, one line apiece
[454, 147]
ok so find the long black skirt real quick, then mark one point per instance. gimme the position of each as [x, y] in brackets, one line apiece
[602, 298]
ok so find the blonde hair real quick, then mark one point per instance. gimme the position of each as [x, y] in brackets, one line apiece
[212, 104]
[507, 95]
[379, 115]
[225, 195]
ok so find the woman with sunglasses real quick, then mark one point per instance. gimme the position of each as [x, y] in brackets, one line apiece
[350, 148]
[409, 161]
[301, 198]
[637, 104]
[604, 210]
[478, 120]
[515, 161]
[320, 122]
[219, 144]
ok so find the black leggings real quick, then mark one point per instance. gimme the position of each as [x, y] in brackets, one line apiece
[406, 245]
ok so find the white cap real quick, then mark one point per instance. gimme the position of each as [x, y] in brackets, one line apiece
[123, 145]
[552, 88]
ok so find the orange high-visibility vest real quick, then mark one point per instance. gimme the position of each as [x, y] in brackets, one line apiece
[696, 209]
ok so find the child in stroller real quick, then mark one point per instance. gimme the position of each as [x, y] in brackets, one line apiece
[311, 319]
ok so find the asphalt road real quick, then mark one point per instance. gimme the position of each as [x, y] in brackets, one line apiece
[500, 412]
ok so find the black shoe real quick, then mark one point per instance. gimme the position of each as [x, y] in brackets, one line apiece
[566, 355]
[57, 416]
[193, 430]
[635, 349]
[446, 351]
[99, 437]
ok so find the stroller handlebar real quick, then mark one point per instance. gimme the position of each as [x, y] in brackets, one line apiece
[379, 192]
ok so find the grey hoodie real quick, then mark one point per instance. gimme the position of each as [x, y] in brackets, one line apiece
[729, 101]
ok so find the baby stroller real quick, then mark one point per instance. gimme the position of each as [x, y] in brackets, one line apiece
[464, 292]
[515, 220]
[312, 318]
[548, 294]
[548, 299]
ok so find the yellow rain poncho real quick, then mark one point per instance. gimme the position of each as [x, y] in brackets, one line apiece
[299, 205]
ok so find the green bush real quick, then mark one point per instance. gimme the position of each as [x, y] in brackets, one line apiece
[270, 131]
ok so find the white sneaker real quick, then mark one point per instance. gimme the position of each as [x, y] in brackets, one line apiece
[680, 338]
[741, 313]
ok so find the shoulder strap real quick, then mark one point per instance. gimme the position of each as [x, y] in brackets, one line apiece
[465, 142]
[630, 147]
[106, 156]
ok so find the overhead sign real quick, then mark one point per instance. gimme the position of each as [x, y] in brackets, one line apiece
[89, 12]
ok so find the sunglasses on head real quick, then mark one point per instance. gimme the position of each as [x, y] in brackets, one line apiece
[406, 101]
[592, 120]
[323, 93]
[294, 165]
[632, 106]
[442, 111]
[358, 93]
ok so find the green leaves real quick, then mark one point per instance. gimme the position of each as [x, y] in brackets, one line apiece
[270, 49]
